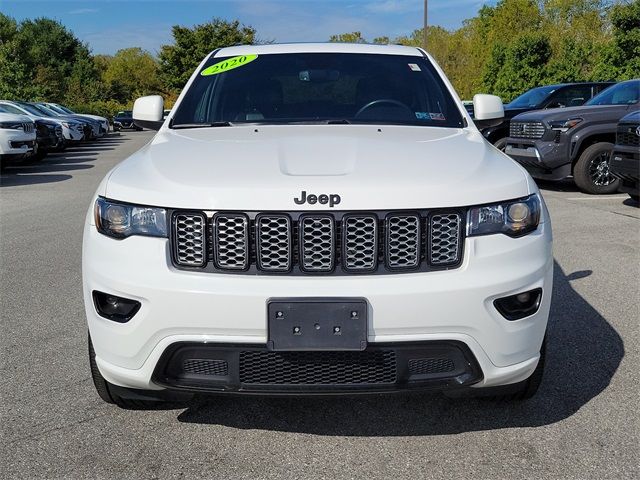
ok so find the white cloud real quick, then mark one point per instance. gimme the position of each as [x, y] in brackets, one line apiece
[395, 6]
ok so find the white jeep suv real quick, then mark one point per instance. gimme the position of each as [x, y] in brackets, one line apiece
[316, 219]
[17, 136]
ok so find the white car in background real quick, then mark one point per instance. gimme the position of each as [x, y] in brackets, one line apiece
[17, 136]
[61, 109]
[72, 130]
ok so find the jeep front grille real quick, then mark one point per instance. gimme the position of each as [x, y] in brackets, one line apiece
[231, 241]
[444, 235]
[299, 243]
[189, 239]
[532, 130]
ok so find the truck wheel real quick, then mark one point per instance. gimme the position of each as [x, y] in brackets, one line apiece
[127, 398]
[591, 172]
[500, 144]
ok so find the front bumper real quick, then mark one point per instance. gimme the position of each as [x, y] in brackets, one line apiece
[16, 142]
[545, 160]
[206, 308]
[625, 165]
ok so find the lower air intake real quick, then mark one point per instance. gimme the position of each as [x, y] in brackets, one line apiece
[318, 368]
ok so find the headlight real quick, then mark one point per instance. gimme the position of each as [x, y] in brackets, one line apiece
[120, 220]
[11, 125]
[563, 126]
[514, 218]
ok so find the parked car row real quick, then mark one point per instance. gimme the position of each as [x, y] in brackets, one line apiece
[33, 129]
[557, 131]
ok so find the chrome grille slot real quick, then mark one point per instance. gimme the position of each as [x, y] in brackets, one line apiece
[403, 241]
[231, 241]
[533, 130]
[317, 243]
[360, 246]
[189, 239]
[274, 243]
[444, 239]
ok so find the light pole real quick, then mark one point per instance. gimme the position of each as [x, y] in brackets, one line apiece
[424, 28]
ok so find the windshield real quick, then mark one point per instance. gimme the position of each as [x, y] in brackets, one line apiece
[63, 109]
[126, 113]
[55, 108]
[318, 88]
[47, 111]
[33, 110]
[532, 98]
[625, 93]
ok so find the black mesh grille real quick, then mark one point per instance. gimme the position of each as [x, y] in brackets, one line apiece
[274, 245]
[231, 233]
[627, 136]
[318, 368]
[323, 243]
[360, 234]
[189, 245]
[317, 243]
[403, 241]
[444, 231]
[206, 367]
[426, 366]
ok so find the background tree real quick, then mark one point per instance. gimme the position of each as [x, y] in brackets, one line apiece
[191, 45]
[352, 37]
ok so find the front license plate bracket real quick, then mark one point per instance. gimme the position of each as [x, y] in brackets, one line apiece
[317, 324]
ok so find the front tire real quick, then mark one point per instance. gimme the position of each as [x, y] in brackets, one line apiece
[591, 172]
[500, 144]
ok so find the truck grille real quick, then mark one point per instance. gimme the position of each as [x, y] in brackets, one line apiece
[28, 127]
[532, 130]
[324, 243]
[627, 136]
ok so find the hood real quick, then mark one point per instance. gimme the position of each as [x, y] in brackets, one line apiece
[13, 117]
[266, 167]
[553, 114]
[97, 118]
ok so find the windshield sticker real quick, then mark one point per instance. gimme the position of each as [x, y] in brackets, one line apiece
[228, 64]
[415, 67]
[430, 116]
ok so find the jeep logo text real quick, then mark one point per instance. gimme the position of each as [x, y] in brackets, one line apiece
[323, 199]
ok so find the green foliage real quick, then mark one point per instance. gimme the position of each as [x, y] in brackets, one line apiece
[192, 45]
[621, 57]
[352, 37]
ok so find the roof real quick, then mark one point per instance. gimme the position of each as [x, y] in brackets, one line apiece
[317, 48]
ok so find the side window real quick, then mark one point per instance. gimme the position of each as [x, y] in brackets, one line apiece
[570, 97]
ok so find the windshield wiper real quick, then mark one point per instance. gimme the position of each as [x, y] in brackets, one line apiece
[202, 125]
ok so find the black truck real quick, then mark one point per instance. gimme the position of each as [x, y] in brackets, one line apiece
[540, 98]
[625, 159]
[556, 143]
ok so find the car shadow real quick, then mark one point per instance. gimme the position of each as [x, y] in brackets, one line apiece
[584, 352]
[565, 185]
[49, 169]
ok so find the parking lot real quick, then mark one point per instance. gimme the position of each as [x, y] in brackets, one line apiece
[583, 423]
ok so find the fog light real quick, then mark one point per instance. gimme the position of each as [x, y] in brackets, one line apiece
[519, 305]
[115, 308]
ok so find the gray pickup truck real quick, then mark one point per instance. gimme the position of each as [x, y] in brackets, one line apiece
[556, 143]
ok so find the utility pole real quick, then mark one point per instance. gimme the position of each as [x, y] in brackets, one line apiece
[424, 28]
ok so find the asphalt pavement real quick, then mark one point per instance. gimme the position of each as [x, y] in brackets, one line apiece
[583, 424]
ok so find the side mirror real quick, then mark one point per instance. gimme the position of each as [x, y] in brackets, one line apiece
[488, 110]
[147, 112]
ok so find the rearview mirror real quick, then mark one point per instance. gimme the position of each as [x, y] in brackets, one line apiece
[488, 110]
[148, 111]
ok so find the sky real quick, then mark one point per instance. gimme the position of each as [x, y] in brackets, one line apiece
[109, 25]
